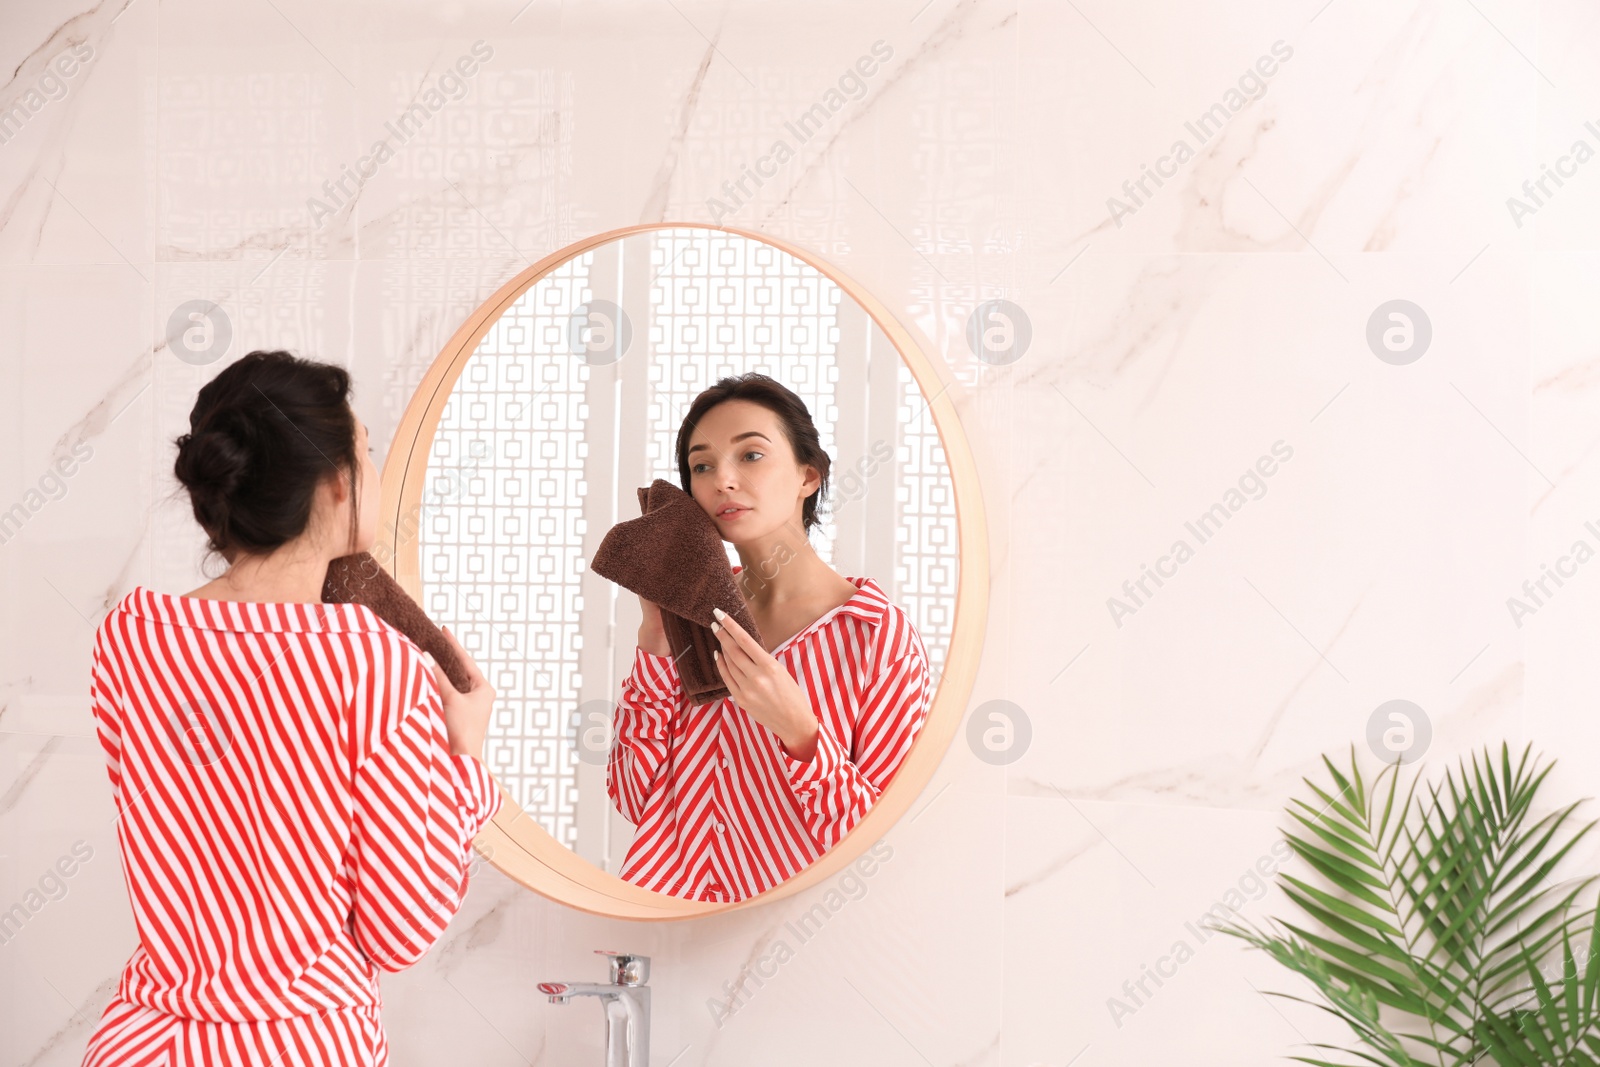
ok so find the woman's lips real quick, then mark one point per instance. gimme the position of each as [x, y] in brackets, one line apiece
[731, 515]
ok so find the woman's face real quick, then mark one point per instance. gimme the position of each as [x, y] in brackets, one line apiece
[738, 455]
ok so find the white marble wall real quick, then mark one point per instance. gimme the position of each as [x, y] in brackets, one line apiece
[1169, 352]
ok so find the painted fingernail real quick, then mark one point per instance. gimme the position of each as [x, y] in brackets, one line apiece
[719, 613]
[716, 627]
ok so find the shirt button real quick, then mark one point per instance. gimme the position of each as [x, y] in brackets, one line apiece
[720, 828]
[724, 761]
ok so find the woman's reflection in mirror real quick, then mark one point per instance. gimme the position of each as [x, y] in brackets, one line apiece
[732, 797]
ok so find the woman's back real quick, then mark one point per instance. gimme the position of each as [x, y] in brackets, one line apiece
[291, 818]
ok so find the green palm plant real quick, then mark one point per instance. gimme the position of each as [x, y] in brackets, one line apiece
[1435, 936]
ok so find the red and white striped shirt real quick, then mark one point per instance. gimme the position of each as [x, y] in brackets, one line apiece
[723, 811]
[291, 821]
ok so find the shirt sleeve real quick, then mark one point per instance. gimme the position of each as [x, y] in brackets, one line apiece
[837, 786]
[107, 719]
[650, 695]
[417, 809]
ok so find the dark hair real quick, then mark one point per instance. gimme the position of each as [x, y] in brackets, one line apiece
[262, 435]
[782, 402]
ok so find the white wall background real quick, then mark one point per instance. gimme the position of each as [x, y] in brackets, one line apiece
[1169, 352]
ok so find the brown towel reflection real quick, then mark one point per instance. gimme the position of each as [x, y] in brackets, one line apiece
[359, 579]
[672, 555]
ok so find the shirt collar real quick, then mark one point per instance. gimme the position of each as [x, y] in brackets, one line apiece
[870, 603]
[252, 616]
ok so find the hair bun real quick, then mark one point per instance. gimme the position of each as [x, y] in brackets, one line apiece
[262, 437]
[211, 464]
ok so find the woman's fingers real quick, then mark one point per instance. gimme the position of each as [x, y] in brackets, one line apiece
[729, 644]
[466, 660]
[731, 676]
[736, 642]
[732, 669]
[445, 686]
[734, 657]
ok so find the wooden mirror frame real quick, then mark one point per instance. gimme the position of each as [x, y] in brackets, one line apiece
[519, 846]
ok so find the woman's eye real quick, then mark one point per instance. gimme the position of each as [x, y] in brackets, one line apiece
[698, 467]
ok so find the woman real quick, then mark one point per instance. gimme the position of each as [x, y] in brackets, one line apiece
[298, 785]
[733, 797]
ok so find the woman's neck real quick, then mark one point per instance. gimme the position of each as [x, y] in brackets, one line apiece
[778, 572]
[287, 576]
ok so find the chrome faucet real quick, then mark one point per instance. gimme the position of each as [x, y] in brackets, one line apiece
[627, 1006]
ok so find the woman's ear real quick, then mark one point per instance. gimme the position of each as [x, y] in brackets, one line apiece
[812, 482]
[337, 485]
[334, 489]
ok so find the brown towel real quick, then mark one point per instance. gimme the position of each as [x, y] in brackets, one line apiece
[672, 555]
[360, 579]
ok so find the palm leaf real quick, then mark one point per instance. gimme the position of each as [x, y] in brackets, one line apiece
[1429, 917]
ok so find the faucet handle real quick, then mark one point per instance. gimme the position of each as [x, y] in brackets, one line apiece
[626, 967]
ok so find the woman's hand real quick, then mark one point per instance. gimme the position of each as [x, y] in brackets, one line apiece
[466, 715]
[652, 634]
[765, 688]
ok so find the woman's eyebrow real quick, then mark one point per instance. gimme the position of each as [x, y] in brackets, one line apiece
[739, 437]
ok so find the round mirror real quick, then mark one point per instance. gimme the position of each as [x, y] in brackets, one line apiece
[531, 438]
